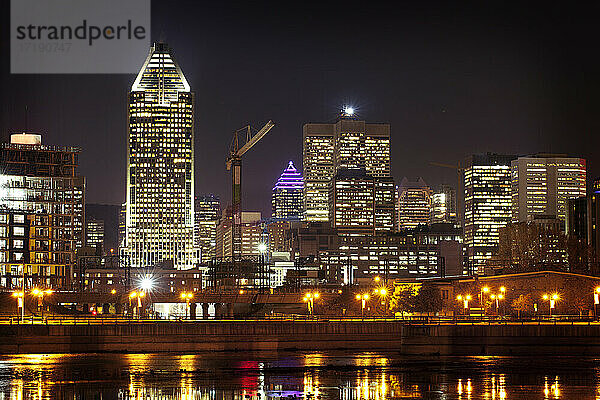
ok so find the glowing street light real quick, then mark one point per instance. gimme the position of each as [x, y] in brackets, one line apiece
[596, 301]
[262, 247]
[349, 110]
[187, 296]
[20, 296]
[465, 300]
[363, 298]
[552, 299]
[309, 299]
[39, 293]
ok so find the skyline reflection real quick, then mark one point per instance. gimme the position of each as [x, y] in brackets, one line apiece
[290, 376]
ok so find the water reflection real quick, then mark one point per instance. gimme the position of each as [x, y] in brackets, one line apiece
[292, 376]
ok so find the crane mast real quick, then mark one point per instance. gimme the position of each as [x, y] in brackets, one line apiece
[234, 164]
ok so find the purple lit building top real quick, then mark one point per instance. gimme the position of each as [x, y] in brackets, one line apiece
[290, 179]
[287, 195]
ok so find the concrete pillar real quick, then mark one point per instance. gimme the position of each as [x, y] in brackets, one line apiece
[218, 310]
[205, 310]
[193, 310]
[230, 310]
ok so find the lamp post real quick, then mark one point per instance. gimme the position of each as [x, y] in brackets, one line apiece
[596, 301]
[496, 298]
[187, 296]
[262, 249]
[363, 298]
[484, 290]
[465, 300]
[382, 293]
[20, 296]
[132, 296]
[309, 299]
[552, 299]
[40, 293]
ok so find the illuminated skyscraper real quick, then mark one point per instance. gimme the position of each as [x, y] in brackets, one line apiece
[487, 184]
[160, 165]
[414, 203]
[350, 144]
[94, 235]
[443, 205]
[287, 195]
[206, 216]
[41, 213]
[543, 184]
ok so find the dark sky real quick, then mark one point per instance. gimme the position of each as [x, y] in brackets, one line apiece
[450, 78]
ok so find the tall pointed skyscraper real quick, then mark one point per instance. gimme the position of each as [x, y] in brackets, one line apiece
[160, 165]
[287, 195]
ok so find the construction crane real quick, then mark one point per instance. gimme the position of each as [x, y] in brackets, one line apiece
[234, 164]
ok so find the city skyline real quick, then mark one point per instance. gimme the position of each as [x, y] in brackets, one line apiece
[491, 94]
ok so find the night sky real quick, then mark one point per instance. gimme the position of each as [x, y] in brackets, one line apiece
[450, 79]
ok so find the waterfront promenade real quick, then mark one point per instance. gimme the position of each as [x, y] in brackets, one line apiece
[403, 336]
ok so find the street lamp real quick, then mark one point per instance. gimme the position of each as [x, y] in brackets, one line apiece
[262, 249]
[382, 293]
[465, 300]
[187, 296]
[484, 290]
[309, 299]
[20, 296]
[363, 298]
[596, 301]
[553, 299]
[39, 293]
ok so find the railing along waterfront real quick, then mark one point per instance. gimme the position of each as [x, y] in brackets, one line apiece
[407, 320]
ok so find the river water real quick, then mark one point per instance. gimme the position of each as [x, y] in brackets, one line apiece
[289, 376]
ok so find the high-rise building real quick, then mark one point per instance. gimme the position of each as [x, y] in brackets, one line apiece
[542, 185]
[583, 219]
[122, 225]
[287, 195]
[252, 235]
[487, 185]
[160, 165]
[443, 205]
[41, 213]
[414, 203]
[350, 143]
[94, 235]
[207, 215]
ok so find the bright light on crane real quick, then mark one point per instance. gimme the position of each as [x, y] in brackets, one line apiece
[348, 110]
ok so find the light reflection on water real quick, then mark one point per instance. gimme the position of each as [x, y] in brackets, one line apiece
[292, 376]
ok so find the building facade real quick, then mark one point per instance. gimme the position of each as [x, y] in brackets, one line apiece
[487, 186]
[414, 203]
[207, 214]
[350, 143]
[160, 165]
[94, 235]
[287, 195]
[253, 235]
[41, 213]
[543, 184]
[443, 205]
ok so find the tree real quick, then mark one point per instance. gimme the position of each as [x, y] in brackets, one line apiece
[403, 298]
[522, 304]
[428, 299]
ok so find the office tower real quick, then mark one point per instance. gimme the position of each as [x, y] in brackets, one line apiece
[122, 225]
[317, 160]
[207, 215]
[414, 203]
[443, 205]
[286, 199]
[41, 213]
[487, 185]
[350, 143]
[583, 219]
[160, 165]
[94, 235]
[385, 204]
[352, 205]
[542, 184]
[252, 235]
